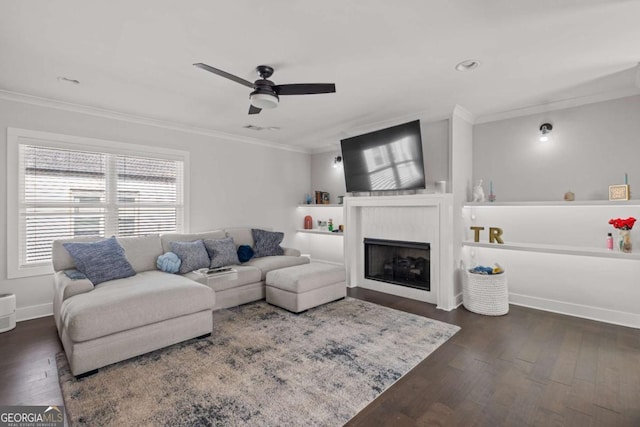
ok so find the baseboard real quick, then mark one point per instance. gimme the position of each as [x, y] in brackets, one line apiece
[584, 311]
[34, 312]
[458, 300]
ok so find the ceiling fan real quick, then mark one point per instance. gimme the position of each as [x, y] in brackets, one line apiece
[266, 94]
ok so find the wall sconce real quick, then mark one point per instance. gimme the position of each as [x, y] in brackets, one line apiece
[545, 132]
[336, 161]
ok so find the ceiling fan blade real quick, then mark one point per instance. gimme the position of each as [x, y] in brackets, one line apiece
[305, 88]
[254, 110]
[225, 75]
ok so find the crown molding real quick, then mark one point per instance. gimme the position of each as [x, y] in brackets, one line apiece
[141, 120]
[464, 114]
[558, 105]
[327, 149]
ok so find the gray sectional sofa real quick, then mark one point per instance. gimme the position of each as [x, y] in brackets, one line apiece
[118, 319]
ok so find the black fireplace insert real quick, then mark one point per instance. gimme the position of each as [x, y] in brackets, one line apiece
[398, 262]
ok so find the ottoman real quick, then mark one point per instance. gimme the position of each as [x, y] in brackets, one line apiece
[302, 287]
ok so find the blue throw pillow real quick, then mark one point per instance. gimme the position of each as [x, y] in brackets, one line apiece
[267, 243]
[169, 263]
[193, 255]
[100, 261]
[222, 252]
[245, 253]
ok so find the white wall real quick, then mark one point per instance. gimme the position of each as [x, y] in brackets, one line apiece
[232, 183]
[592, 147]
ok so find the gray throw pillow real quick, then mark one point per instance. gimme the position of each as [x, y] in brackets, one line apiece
[100, 261]
[193, 255]
[267, 243]
[222, 252]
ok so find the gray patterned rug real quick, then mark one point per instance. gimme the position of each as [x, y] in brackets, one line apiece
[263, 366]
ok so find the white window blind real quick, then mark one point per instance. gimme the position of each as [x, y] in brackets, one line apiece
[69, 193]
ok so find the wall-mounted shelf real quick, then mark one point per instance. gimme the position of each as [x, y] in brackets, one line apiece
[556, 249]
[331, 233]
[606, 203]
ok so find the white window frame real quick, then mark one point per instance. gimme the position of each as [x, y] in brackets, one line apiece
[16, 137]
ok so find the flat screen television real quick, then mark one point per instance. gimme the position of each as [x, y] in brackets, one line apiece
[387, 159]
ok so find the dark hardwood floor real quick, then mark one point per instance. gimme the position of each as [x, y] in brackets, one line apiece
[526, 368]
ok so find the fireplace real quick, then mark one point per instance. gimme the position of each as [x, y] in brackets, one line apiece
[398, 262]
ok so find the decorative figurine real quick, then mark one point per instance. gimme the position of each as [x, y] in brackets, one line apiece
[478, 192]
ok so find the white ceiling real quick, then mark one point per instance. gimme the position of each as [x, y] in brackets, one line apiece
[389, 60]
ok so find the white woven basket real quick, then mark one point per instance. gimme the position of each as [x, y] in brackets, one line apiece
[486, 293]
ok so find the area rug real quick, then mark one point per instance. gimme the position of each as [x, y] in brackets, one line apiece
[262, 366]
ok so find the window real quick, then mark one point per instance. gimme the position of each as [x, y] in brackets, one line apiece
[62, 187]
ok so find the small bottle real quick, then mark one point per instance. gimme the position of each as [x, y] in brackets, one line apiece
[609, 241]
[330, 224]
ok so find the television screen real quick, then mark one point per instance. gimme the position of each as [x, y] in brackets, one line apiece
[387, 159]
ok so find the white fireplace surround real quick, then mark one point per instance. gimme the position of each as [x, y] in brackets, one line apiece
[423, 218]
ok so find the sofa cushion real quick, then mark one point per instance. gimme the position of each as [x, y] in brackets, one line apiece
[222, 252]
[246, 275]
[268, 263]
[193, 255]
[267, 243]
[142, 251]
[241, 236]
[100, 261]
[245, 253]
[123, 304]
[169, 263]
[61, 258]
[304, 278]
[180, 237]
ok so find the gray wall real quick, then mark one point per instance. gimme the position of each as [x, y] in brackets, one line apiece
[324, 177]
[232, 183]
[592, 147]
[435, 147]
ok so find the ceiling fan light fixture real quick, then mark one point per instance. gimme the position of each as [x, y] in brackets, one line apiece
[264, 100]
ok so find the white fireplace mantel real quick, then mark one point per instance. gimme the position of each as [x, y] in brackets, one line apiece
[416, 217]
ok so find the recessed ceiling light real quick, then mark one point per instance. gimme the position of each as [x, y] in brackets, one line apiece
[68, 80]
[468, 65]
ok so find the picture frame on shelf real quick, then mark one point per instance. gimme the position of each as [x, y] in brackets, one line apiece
[619, 192]
[322, 197]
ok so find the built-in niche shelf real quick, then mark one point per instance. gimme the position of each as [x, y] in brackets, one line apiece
[555, 227]
[556, 255]
[577, 203]
[556, 249]
[320, 243]
[326, 232]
